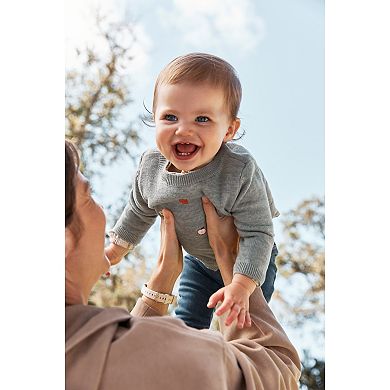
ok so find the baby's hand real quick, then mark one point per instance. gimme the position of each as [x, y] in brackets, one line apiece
[115, 253]
[235, 299]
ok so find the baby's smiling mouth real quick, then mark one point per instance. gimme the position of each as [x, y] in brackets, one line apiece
[185, 150]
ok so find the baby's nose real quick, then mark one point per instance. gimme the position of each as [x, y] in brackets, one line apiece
[184, 129]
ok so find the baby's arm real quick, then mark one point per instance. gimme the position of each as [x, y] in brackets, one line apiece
[238, 288]
[135, 220]
[252, 213]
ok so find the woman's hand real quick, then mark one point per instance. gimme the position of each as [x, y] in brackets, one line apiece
[169, 264]
[223, 238]
[171, 255]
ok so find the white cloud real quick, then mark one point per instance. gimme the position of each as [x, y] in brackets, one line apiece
[215, 23]
[81, 30]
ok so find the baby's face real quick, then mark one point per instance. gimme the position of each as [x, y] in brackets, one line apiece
[192, 121]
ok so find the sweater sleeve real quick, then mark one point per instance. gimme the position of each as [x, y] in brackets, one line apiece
[252, 214]
[136, 218]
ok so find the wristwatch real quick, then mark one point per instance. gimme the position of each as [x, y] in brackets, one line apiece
[156, 296]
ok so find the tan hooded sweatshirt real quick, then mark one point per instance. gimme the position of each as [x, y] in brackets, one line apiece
[110, 349]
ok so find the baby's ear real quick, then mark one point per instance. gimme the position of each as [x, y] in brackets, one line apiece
[232, 130]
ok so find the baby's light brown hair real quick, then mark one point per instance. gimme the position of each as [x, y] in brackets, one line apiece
[203, 68]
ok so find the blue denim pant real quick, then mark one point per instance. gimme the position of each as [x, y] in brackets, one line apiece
[198, 283]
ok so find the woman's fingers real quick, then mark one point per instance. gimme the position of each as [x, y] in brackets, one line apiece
[209, 209]
[222, 233]
[170, 250]
[169, 222]
[168, 231]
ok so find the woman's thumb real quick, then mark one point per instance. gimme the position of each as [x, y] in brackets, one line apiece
[208, 208]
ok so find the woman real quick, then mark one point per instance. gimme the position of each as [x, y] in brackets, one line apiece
[112, 349]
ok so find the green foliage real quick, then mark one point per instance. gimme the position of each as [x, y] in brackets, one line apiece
[97, 99]
[313, 374]
[120, 289]
[301, 260]
[97, 96]
[301, 265]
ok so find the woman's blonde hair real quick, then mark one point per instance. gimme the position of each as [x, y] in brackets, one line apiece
[203, 68]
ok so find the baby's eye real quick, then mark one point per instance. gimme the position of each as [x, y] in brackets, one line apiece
[202, 119]
[170, 117]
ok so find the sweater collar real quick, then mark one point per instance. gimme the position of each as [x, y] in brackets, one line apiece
[185, 179]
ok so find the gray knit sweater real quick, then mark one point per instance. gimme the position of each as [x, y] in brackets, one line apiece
[234, 184]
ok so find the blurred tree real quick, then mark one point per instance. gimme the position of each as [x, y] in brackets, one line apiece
[301, 266]
[313, 374]
[97, 99]
[302, 259]
[97, 95]
[120, 289]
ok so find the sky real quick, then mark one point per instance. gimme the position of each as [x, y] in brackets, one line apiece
[277, 48]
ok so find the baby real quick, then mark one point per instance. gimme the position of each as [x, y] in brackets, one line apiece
[195, 107]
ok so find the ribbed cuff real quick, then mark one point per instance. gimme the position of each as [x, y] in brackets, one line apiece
[250, 270]
[123, 238]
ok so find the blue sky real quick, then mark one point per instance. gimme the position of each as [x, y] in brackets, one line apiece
[276, 46]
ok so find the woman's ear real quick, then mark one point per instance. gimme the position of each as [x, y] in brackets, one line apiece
[232, 130]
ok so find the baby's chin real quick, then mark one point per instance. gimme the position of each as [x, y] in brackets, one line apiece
[189, 167]
[177, 165]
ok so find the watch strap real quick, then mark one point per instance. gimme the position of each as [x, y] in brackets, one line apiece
[156, 296]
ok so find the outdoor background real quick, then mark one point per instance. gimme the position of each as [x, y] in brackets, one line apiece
[357, 123]
[114, 52]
